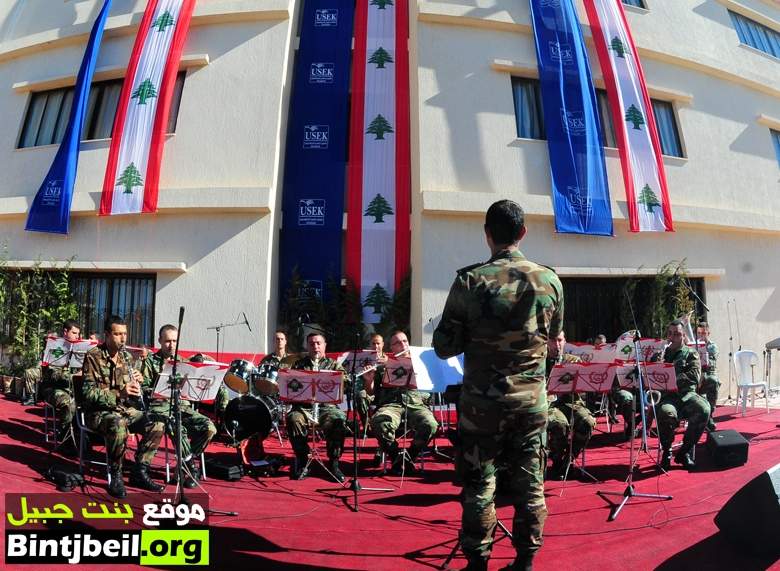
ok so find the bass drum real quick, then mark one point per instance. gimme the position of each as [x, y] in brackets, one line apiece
[247, 415]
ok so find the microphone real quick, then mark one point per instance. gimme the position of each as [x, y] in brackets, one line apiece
[246, 322]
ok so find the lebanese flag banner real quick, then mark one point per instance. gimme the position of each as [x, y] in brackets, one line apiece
[632, 115]
[132, 175]
[378, 176]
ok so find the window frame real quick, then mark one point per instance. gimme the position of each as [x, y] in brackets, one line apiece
[97, 90]
[775, 136]
[736, 16]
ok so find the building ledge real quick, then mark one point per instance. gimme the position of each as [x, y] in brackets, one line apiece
[102, 266]
[171, 201]
[767, 121]
[101, 74]
[628, 272]
[475, 204]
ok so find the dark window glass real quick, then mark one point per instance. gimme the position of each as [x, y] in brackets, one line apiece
[49, 111]
[756, 35]
[528, 108]
[637, 3]
[667, 128]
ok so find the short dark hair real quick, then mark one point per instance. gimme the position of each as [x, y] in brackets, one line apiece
[111, 321]
[313, 333]
[197, 358]
[281, 330]
[167, 327]
[675, 323]
[70, 324]
[504, 221]
[704, 325]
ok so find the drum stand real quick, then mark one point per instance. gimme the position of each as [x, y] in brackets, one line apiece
[314, 452]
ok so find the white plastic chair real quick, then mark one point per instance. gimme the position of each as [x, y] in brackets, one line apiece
[744, 361]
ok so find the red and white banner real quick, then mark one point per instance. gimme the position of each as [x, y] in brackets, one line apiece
[133, 171]
[633, 118]
[378, 200]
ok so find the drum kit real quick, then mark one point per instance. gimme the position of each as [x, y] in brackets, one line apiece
[258, 409]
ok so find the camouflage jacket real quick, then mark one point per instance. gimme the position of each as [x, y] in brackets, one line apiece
[150, 369]
[500, 314]
[103, 380]
[53, 377]
[687, 369]
[710, 369]
[571, 398]
[324, 364]
[275, 361]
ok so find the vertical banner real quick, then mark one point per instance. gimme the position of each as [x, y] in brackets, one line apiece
[579, 175]
[632, 115]
[50, 210]
[316, 152]
[132, 175]
[379, 195]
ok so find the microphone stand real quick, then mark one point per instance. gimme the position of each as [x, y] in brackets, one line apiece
[218, 328]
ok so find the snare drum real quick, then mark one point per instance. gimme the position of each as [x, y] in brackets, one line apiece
[239, 375]
[264, 380]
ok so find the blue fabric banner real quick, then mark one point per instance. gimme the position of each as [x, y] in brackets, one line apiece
[316, 157]
[579, 175]
[50, 210]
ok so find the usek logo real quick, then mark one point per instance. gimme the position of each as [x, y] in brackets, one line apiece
[581, 205]
[53, 189]
[550, 3]
[311, 212]
[321, 72]
[310, 289]
[326, 18]
[316, 136]
[561, 52]
[573, 122]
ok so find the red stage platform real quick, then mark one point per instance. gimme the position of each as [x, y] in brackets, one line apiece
[284, 524]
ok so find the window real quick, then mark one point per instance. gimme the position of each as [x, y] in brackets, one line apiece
[667, 128]
[776, 141]
[607, 128]
[756, 35]
[131, 296]
[637, 3]
[49, 111]
[528, 108]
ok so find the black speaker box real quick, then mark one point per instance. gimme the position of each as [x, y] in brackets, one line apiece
[216, 469]
[752, 516]
[728, 448]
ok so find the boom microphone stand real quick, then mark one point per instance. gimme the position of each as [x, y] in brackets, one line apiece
[218, 328]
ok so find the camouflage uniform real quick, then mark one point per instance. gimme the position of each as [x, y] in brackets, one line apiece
[111, 415]
[57, 390]
[391, 404]
[685, 403]
[501, 314]
[567, 408]
[710, 384]
[331, 420]
[27, 388]
[196, 429]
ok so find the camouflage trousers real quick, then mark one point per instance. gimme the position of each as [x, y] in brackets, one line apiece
[489, 436]
[63, 403]
[221, 402]
[331, 421]
[709, 389]
[624, 404]
[196, 429]
[389, 418]
[115, 425]
[673, 407]
[361, 405]
[558, 427]
[27, 386]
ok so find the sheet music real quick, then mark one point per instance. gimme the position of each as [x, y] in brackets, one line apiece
[200, 381]
[310, 386]
[434, 374]
[61, 353]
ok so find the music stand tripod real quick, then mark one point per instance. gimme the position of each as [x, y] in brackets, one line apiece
[629, 492]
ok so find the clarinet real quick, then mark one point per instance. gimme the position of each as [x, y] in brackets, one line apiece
[133, 401]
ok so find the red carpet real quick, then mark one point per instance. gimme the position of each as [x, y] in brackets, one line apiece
[306, 525]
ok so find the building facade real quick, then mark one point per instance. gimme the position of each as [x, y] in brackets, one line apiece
[712, 70]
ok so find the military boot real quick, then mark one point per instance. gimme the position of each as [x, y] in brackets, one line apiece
[476, 564]
[299, 470]
[191, 473]
[666, 458]
[336, 470]
[116, 487]
[523, 562]
[139, 478]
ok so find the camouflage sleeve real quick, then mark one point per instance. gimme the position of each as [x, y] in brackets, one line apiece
[149, 372]
[449, 338]
[96, 397]
[688, 373]
[556, 322]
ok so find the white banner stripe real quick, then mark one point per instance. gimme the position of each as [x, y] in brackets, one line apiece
[134, 146]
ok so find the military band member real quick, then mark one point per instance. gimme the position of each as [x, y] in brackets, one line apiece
[500, 314]
[331, 420]
[684, 404]
[363, 399]
[391, 405]
[280, 358]
[57, 385]
[710, 384]
[567, 409]
[196, 429]
[111, 395]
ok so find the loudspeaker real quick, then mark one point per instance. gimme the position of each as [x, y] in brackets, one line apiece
[728, 448]
[752, 516]
[222, 471]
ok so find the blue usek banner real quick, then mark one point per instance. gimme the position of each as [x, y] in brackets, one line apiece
[316, 156]
[579, 175]
[50, 210]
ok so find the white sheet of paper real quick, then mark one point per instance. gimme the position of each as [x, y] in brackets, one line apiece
[201, 380]
[61, 353]
[434, 374]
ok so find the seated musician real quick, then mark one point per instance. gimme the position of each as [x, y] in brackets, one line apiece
[280, 358]
[363, 400]
[685, 403]
[57, 384]
[392, 404]
[331, 419]
[111, 394]
[565, 409]
[196, 429]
